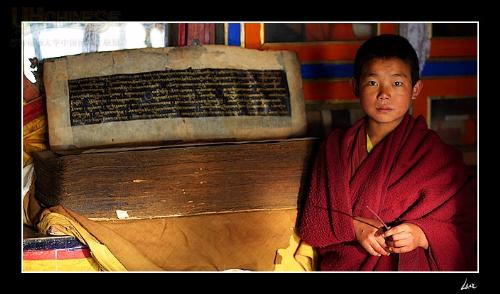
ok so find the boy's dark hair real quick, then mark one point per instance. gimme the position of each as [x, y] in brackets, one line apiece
[387, 46]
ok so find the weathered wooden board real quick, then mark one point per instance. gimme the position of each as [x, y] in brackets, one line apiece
[176, 180]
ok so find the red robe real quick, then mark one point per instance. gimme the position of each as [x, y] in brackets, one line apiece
[410, 176]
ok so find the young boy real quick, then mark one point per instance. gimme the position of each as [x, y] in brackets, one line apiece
[387, 194]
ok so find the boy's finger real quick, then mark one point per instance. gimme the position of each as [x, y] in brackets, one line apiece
[400, 236]
[399, 249]
[393, 231]
[370, 250]
[379, 249]
[398, 244]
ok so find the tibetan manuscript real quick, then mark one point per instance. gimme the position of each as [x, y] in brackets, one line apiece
[173, 94]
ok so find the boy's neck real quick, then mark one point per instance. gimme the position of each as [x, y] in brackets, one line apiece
[377, 131]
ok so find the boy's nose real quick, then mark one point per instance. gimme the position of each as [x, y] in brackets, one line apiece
[383, 94]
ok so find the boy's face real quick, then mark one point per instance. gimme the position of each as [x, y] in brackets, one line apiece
[385, 90]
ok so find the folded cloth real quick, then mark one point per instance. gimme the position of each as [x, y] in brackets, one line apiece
[61, 224]
[298, 256]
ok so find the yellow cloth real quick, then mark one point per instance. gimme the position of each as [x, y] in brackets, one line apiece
[34, 138]
[369, 144]
[55, 221]
[298, 256]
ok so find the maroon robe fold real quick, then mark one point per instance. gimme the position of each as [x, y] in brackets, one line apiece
[410, 176]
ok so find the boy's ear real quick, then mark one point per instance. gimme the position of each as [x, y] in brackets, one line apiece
[355, 88]
[417, 89]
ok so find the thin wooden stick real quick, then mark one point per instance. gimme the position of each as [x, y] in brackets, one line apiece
[378, 217]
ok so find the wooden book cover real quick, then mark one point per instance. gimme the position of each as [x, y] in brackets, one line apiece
[181, 180]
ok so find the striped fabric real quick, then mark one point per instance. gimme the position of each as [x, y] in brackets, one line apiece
[57, 254]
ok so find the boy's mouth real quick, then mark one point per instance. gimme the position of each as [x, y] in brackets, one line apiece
[384, 109]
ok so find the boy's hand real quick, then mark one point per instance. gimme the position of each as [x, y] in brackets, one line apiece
[369, 235]
[405, 238]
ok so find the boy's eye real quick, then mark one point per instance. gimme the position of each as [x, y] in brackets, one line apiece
[398, 84]
[372, 83]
